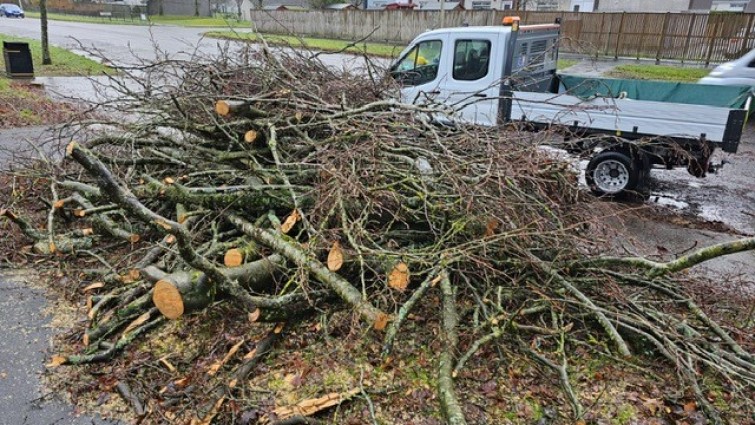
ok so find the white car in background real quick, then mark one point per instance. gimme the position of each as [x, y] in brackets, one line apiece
[739, 72]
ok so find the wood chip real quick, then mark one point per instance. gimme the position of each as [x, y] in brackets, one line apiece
[134, 238]
[399, 277]
[217, 365]
[95, 285]
[70, 147]
[255, 315]
[56, 361]
[314, 405]
[167, 364]
[136, 323]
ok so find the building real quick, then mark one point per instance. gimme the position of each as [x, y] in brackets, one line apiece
[435, 5]
[340, 6]
[488, 4]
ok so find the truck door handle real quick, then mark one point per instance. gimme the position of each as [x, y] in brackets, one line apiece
[480, 95]
[434, 92]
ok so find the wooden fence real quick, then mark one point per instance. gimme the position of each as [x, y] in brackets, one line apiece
[705, 38]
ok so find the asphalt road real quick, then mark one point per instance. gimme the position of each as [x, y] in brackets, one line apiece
[122, 43]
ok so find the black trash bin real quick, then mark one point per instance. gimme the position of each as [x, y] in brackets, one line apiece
[18, 62]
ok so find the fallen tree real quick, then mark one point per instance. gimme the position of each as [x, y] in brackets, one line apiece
[284, 185]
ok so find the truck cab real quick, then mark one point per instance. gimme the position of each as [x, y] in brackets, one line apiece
[507, 74]
[464, 67]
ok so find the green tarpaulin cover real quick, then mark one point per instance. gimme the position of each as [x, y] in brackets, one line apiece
[658, 91]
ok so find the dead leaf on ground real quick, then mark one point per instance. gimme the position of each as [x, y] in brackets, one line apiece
[290, 221]
[335, 257]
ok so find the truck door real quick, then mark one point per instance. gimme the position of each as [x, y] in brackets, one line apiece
[421, 68]
[473, 86]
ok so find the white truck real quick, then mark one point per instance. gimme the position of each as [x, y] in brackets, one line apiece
[506, 75]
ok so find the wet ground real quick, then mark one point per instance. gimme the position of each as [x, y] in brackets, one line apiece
[25, 336]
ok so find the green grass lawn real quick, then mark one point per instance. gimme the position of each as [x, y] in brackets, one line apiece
[324, 44]
[658, 72]
[184, 21]
[566, 63]
[63, 61]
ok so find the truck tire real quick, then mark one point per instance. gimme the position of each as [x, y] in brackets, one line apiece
[612, 173]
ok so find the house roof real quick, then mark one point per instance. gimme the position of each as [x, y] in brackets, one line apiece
[339, 6]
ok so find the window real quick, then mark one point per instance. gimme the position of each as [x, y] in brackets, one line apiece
[471, 59]
[576, 8]
[420, 64]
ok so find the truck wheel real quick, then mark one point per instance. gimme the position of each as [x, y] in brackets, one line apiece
[609, 173]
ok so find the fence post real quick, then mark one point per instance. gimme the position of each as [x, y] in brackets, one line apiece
[662, 43]
[689, 36]
[600, 32]
[746, 41]
[641, 44]
[618, 36]
[712, 42]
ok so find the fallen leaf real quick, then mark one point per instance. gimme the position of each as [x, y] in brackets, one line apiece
[290, 221]
[491, 226]
[690, 407]
[399, 277]
[335, 257]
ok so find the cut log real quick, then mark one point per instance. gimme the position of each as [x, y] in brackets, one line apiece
[235, 257]
[225, 108]
[184, 292]
[251, 136]
[180, 293]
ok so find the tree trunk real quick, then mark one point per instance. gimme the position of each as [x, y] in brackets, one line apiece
[46, 60]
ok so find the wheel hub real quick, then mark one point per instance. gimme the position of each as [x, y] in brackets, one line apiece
[611, 176]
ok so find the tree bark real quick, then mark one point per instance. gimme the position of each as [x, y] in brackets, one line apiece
[46, 60]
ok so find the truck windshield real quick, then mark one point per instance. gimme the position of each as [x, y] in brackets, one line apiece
[420, 64]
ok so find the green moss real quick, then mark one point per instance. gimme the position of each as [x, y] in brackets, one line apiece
[624, 415]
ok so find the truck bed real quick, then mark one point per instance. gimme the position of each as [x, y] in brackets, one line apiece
[633, 118]
[636, 109]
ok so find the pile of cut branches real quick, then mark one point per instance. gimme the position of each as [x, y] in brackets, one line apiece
[286, 186]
